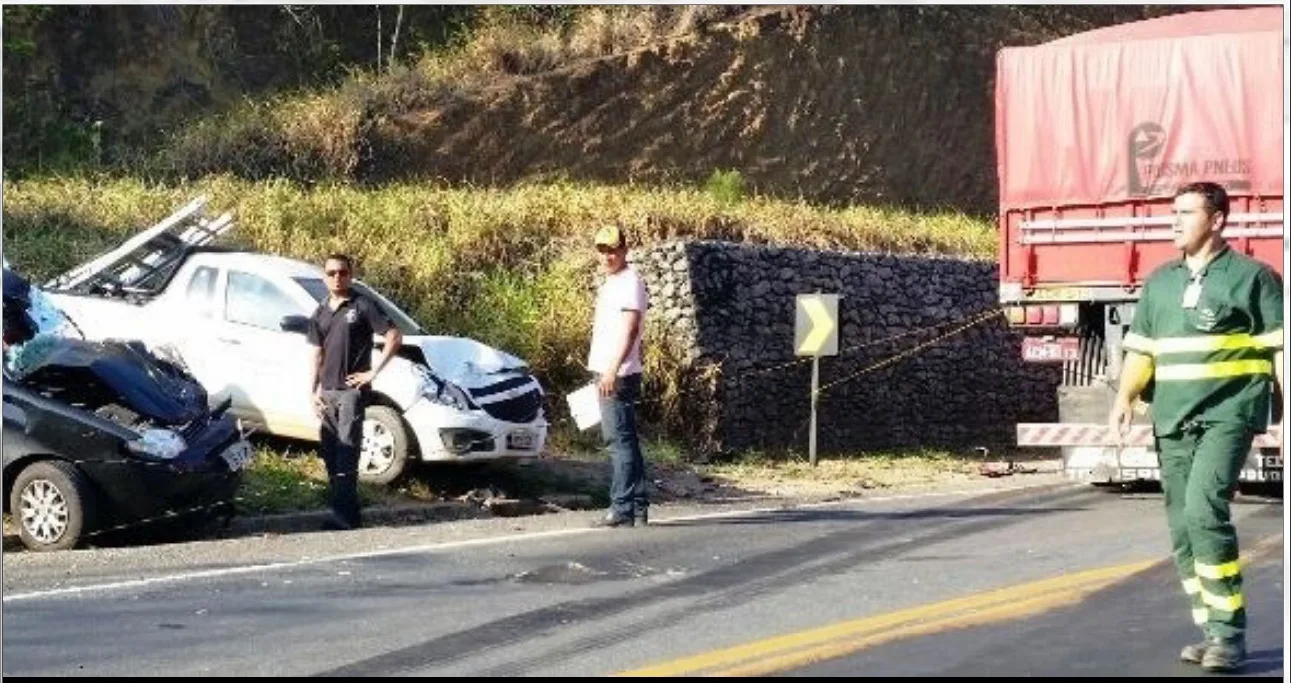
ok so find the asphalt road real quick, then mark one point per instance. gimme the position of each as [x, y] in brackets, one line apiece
[1054, 580]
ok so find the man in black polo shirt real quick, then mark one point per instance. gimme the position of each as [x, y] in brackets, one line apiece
[341, 332]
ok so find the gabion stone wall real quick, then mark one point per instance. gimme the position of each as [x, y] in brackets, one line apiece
[727, 313]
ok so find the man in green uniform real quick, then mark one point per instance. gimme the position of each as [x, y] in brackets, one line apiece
[1207, 336]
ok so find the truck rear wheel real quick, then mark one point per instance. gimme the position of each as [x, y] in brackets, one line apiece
[384, 454]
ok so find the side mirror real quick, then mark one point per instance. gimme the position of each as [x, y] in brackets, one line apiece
[294, 323]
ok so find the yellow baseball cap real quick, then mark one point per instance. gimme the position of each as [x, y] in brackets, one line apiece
[610, 236]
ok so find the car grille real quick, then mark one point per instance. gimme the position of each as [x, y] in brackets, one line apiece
[502, 386]
[522, 408]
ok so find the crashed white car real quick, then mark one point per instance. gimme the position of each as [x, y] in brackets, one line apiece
[237, 320]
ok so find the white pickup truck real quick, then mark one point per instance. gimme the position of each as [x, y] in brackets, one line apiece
[237, 320]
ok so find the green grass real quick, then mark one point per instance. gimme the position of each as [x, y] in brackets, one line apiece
[276, 484]
[663, 451]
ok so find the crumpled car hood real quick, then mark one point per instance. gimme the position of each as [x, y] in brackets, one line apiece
[147, 385]
[466, 362]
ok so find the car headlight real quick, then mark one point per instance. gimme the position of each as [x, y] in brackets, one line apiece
[442, 392]
[162, 444]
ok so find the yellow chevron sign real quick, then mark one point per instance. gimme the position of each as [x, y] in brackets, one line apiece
[816, 325]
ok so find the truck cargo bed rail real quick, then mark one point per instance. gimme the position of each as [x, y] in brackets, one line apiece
[1122, 229]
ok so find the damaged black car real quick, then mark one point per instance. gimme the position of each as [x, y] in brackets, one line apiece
[106, 436]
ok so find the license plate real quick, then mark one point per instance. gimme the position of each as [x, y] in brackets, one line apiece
[1060, 294]
[522, 441]
[238, 456]
[1039, 350]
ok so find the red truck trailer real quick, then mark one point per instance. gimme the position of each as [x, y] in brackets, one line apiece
[1094, 133]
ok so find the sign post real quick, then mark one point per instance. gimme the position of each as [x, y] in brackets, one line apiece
[815, 335]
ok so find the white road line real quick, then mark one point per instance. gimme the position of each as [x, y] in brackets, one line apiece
[450, 545]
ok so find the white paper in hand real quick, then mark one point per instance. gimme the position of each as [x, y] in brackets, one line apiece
[585, 406]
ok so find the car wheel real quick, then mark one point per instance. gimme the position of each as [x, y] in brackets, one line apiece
[52, 505]
[385, 446]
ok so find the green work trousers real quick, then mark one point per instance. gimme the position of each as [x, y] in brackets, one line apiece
[1200, 467]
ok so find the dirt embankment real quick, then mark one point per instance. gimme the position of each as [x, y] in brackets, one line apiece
[878, 105]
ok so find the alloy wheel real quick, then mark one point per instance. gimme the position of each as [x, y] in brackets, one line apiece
[377, 454]
[44, 512]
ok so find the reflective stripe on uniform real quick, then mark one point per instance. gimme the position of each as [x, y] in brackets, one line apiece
[1217, 571]
[1137, 342]
[1192, 586]
[1199, 616]
[1229, 603]
[1214, 342]
[1271, 340]
[1230, 368]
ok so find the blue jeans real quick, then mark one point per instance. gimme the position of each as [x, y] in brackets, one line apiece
[619, 431]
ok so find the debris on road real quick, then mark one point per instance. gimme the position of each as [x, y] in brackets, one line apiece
[1004, 469]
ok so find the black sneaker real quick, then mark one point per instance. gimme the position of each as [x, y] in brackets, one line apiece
[611, 521]
[1224, 654]
[1194, 652]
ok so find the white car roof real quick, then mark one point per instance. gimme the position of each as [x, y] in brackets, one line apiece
[252, 261]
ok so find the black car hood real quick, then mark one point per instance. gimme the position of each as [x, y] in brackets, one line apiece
[98, 372]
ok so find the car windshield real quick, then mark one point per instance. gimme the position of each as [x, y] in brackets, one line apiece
[318, 289]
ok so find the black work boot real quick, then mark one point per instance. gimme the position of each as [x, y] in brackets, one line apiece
[1224, 654]
[1194, 652]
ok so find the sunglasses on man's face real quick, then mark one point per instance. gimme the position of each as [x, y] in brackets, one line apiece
[336, 273]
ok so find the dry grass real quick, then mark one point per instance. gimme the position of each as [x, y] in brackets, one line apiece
[793, 475]
[321, 135]
[602, 31]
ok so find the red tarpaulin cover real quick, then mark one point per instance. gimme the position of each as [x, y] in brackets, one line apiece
[1134, 111]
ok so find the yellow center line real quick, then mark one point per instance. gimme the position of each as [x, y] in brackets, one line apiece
[996, 613]
[868, 625]
[797, 649]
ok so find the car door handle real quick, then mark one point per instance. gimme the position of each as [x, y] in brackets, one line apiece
[230, 340]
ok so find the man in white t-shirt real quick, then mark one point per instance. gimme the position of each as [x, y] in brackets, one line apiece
[615, 361]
